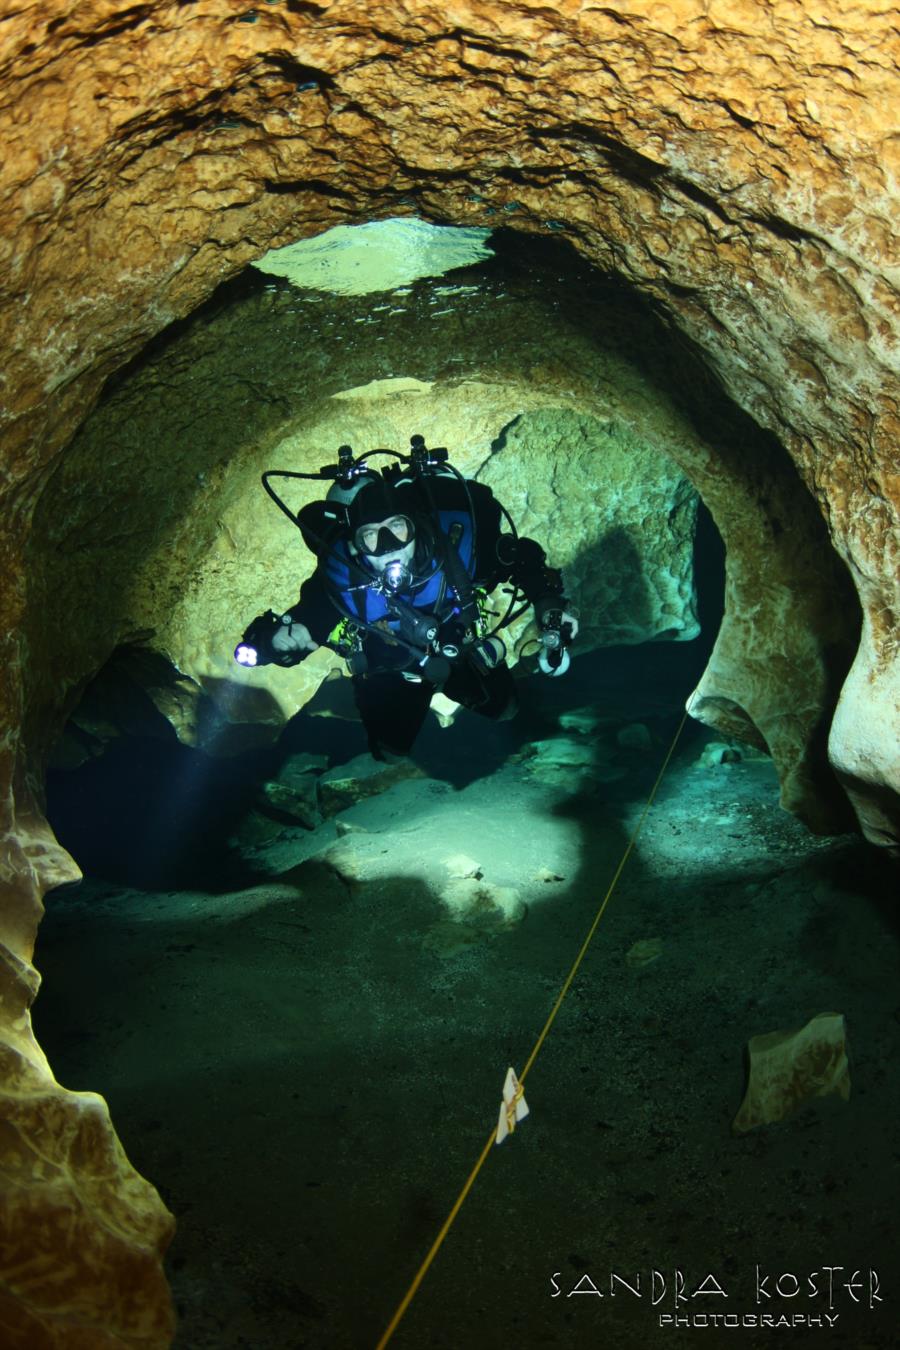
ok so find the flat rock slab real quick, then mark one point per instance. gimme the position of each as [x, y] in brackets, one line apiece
[789, 1068]
[364, 777]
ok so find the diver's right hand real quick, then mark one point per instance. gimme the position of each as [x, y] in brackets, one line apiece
[295, 640]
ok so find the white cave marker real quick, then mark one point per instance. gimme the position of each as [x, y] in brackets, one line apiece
[513, 1108]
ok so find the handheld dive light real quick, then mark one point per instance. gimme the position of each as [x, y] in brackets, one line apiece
[255, 647]
[246, 655]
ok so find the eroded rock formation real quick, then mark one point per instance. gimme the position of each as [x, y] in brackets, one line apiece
[737, 163]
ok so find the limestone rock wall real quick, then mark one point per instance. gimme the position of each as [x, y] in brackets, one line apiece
[617, 519]
[737, 162]
[81, 1232]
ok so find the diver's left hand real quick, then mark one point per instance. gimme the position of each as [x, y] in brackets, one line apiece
[567, 621]
[568, 618]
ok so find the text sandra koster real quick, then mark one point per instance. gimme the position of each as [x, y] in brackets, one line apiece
[828, 1284]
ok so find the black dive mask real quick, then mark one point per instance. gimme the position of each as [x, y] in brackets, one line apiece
[386, 541]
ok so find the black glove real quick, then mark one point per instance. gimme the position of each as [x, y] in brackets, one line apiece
[274, 639]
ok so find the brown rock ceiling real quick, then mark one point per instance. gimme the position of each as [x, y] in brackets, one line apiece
[736, 161]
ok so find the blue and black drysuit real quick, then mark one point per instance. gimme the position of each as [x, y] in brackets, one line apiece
[461, 555]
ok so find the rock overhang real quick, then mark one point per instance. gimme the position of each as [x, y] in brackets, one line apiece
[704, 167]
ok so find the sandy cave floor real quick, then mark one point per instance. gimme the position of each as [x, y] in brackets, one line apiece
[308, 1062]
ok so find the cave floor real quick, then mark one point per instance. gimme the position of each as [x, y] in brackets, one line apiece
[309, 1064]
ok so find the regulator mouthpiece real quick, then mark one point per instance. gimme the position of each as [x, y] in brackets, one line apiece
[246, 656]
[396, 577]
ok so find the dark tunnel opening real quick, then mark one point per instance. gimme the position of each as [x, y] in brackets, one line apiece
[299, 981]
[143, 809]
[146, 811]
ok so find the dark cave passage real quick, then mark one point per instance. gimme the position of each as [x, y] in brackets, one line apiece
[148, 812]
[298, 977]
[561, 389]
[132, 802]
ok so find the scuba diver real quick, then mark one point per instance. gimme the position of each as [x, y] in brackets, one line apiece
[407, 558]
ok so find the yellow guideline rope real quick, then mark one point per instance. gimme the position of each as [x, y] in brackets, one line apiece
[448, 1222]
